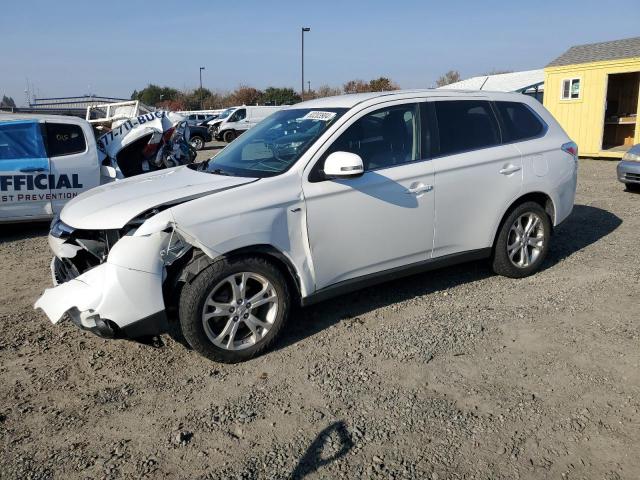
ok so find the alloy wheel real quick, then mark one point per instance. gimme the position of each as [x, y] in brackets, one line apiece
[526, 240]
[239, 311]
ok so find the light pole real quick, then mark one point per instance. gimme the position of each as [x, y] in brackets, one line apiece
[201, 68]
[304, 29]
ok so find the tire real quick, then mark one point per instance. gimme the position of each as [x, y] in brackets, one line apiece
[197, 142]
[510, 258]
[213, 285]
[229, 136]
[632, 187]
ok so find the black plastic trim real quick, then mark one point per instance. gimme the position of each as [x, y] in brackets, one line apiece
[358, 283]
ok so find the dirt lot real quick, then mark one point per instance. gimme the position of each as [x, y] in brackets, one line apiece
[452, 374]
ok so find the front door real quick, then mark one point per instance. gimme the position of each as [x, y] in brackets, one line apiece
[382, 219]
[24, 171]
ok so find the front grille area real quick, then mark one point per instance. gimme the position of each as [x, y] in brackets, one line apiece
[64, 270]
[95, 246]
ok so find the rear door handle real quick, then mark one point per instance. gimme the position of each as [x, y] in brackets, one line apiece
[509, 169]
[33, 169]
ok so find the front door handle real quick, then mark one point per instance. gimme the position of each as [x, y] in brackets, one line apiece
[33, 169]
[418, 188]
[509, 169]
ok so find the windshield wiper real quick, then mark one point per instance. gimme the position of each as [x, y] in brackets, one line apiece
[219, 171]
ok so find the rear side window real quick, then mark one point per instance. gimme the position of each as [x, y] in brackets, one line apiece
[21, 140]
[520, 123]
[64, 139]
[465, 125]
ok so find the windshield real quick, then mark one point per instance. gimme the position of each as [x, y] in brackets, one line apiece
[226, 113]
[274, 145]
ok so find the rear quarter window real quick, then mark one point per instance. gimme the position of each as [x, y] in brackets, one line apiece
[64, 139]
[519, 121]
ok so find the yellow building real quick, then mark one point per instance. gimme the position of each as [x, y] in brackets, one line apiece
[592, 90]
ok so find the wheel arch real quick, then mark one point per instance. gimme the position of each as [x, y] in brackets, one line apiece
[268, 252]
[541, 198]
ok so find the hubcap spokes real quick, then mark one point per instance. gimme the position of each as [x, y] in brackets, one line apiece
[239, 311]
[526, 240]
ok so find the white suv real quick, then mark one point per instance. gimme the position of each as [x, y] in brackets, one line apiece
[319, 199]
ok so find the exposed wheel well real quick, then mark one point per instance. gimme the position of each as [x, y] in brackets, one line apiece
[199, 261]
[540, 198]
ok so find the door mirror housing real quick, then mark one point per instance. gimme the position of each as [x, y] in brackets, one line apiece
[343, 165]
[108, 172]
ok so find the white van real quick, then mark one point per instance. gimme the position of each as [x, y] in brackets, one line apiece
[242, 119]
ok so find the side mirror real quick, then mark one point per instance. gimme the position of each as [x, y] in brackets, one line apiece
[108, 172]
[343, 165]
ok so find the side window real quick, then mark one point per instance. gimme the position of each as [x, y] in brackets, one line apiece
[192, 116]
[465, 125]
[20, 141]
[64, 139]
[238, 115]
[571, 89]
[384, 138]
[520, 123]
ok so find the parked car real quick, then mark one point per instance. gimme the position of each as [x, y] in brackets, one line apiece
[318, 200]
[199, 136]
[629, 169]
[215, 123]
[240, 120]
[46, 160]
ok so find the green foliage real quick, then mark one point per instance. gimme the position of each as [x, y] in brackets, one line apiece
[7, 102]
[153, 94]
[280, 96]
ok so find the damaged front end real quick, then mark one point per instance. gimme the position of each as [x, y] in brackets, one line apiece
[110, 282]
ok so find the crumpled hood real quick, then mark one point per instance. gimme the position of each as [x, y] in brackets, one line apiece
[112, 205]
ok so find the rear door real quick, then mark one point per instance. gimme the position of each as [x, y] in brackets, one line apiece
[73, 159]
[476, 176]
[24, 171]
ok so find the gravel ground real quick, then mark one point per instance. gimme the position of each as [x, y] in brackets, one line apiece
[453, 374]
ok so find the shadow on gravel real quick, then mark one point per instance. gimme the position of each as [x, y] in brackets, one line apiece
[312, 459]
[22, 231]
[585, 226]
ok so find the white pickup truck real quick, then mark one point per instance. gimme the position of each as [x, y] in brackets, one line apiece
[46, 160]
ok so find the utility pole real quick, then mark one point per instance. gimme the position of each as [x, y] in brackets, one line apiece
[304, 29]
[201, 68]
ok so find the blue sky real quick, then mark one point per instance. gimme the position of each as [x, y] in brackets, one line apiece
[110, 48]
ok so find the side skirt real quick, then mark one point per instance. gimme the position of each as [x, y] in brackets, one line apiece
[359, 283]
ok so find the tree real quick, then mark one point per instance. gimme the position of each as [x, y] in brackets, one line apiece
[327, 91]
[280, 96]
[7, 102]
[382, 84]
[356, 86]
[245, 95]
[452, 76]
[153, 94]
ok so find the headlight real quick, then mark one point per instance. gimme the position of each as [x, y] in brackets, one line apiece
[632, 155]
[59, 229]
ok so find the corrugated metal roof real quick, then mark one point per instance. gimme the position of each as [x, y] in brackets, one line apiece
[599, 52]
[504, 82]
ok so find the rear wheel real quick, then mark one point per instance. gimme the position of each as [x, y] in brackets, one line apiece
[229, 136]
[523, 241]
[234, 309]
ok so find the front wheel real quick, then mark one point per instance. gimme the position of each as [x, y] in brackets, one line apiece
[234, 309]
[632, 187]
[229, 136]
[523, 241]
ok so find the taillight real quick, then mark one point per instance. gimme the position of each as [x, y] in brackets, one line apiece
[571, 148]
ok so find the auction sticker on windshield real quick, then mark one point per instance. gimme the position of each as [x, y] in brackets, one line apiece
[317, 115]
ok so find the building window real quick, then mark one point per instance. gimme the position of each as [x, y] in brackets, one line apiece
[571, 89]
